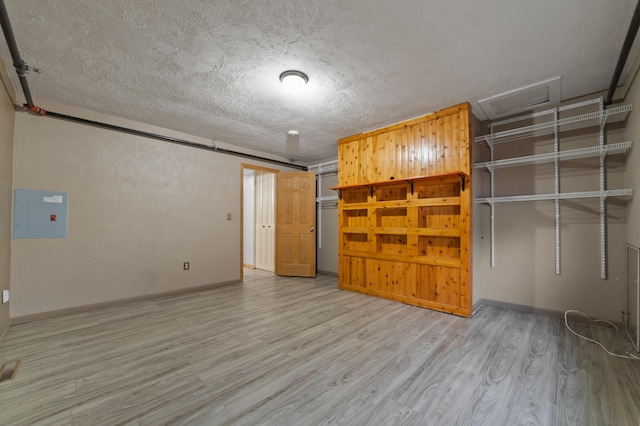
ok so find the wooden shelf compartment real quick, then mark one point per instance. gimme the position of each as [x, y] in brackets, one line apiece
[392, 244]
[358, 195]
[355, 217]
[389, 193]
[411, 181]
[439, 201]
[393, 217]
[438, 190]
[358, 242]
[441, 217]
[439, 247]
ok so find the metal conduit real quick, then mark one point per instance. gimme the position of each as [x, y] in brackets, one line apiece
[170, 139]
[624, 53]
[18, 63]
[22, 68]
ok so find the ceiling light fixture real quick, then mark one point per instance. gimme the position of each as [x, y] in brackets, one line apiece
[293, 79]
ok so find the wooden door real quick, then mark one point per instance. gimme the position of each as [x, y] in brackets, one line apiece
[295, 224]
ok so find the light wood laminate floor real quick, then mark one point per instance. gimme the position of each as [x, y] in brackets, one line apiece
[299, 351]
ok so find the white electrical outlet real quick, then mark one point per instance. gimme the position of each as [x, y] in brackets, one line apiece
[5, 296]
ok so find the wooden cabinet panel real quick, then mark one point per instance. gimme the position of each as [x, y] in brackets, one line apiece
[404, 212]
[435, 144]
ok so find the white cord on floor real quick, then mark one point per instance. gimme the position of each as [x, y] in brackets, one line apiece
[566, 322]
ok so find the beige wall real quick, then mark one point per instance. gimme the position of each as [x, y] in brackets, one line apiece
[525, 235]
[138, 209]
[6, 193]
[633, 162]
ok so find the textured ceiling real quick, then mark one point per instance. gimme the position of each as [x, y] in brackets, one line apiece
[210, 68]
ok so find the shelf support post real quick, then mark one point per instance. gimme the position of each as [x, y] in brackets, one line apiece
[318, 207]
[492, 234]
[603, 207]
[556, 184]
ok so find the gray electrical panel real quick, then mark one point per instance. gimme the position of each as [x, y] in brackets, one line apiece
[40, 214]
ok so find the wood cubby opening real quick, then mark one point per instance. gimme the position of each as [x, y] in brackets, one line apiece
[355, 218]
[443, 247]
[451, 189]
[391, 244]
[391, 193]
[391, 217]
[358, 195]
[355, 242]
[439, 217]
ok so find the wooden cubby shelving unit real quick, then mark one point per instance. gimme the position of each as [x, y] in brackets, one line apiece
[405, 212]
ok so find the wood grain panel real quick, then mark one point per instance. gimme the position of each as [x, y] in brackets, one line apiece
[466, 243]
[439, 284]
[365, 148]
[393, 278]
[348, 158]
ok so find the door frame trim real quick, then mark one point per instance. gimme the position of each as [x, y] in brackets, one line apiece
[244, 166]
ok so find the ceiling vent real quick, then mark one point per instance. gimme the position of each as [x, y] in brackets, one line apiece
[524, 99]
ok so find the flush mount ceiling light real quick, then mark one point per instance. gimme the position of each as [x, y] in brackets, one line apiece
[293, 79]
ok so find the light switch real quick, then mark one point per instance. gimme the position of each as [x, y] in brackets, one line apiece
[228, 216]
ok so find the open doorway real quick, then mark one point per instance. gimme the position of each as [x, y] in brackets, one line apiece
[258, 219]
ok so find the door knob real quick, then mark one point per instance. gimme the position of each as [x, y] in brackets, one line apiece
[312, 229]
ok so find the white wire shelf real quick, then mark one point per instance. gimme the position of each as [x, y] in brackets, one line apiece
[327, 198]
[538, 129]
[549, 126]
[560, 196]
[593, 151]
[322, 168]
